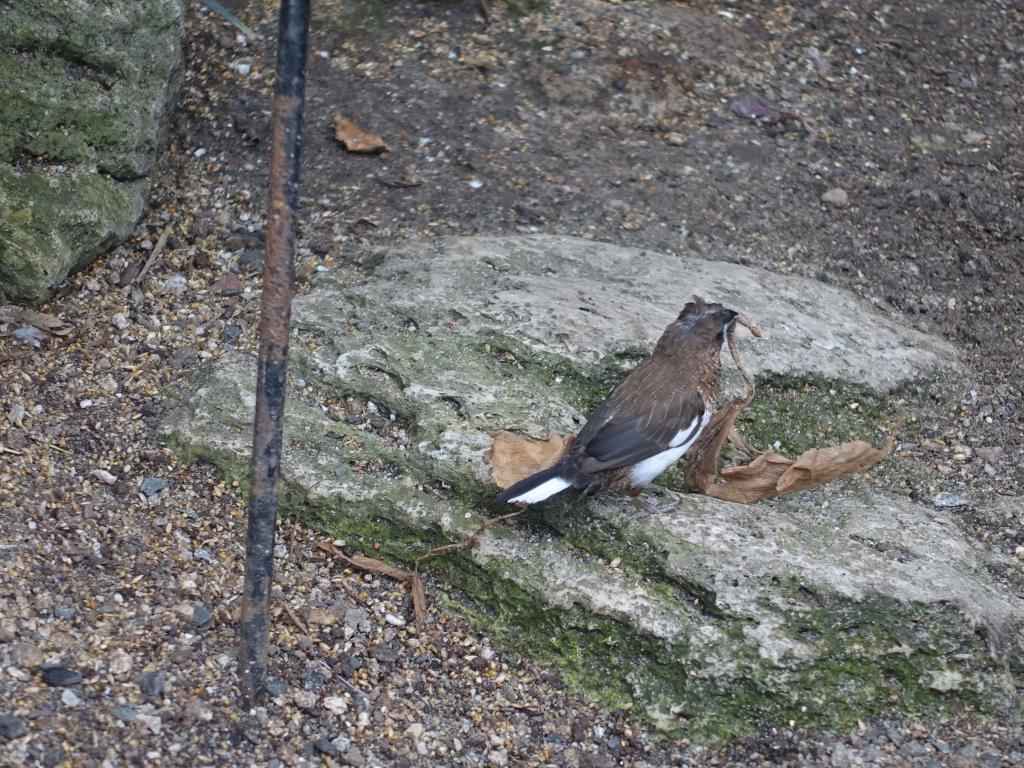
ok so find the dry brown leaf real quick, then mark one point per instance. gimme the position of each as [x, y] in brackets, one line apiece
[419, 601]
[45, 322]
[751, 482]
[821, 465]
[513, 457]
[355, 139]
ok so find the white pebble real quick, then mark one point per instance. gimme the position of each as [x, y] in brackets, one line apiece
[336, 704]
[103, 475]
[120, 321]
[70, 698]
[393, 620]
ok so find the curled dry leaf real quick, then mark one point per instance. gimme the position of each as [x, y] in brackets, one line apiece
[355, 139]
[513, 457]
[772, 474]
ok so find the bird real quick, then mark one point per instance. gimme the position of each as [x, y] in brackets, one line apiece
[651, 417]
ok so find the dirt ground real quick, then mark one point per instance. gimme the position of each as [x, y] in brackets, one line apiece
[615, 121]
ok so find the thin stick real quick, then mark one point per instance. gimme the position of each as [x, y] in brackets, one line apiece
[295, 619]
[155, 254]
[466, 543]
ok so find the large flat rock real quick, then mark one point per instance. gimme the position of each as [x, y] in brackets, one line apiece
[85, 95]
[586, 300]
[819, 608]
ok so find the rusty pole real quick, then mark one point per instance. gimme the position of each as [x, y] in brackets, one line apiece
[278, 272]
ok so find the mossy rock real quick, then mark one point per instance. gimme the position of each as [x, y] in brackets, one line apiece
[85, 97]
[718, 618]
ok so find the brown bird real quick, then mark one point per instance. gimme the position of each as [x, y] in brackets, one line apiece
[649, 420]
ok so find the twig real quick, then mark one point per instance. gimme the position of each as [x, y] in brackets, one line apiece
[703, 469]
[295, 619]
[467, 542]
[412, 580]
[157, 250]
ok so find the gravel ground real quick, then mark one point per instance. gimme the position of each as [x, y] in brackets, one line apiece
[120, 579]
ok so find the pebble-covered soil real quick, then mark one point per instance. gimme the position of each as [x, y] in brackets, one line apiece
[886, 159]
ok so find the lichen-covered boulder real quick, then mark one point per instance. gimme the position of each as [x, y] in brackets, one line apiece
[715, 617]
[85, 92]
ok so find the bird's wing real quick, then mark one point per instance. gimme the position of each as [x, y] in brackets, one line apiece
[639, 419]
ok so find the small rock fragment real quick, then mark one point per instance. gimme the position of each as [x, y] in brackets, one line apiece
[152, 683]
[836, 197]
[120, 321]
[322, 616]
[11, 727]
[229, 285]
[947, 499]
[201, 615]
[336, 704]
[675, 139]
[174, 285]
[974, 137]
[70, 698]
[26, 655]
[104, 476]
[152, 486]
[124, 714]
[60, 676]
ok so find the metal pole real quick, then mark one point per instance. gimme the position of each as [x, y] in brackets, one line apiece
[278, 271]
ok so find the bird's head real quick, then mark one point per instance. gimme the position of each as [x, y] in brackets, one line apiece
[704, 323]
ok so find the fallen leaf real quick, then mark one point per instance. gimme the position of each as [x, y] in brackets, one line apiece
[513, 457]
[355, 139]
[821, 465]
[45, 322]
[751, 482]
[772, 474]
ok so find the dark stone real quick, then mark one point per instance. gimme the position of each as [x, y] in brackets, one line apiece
[124, 714]
[152, 683]
[251, 260]
[65, 612]
[276, 687]
[230, 333]
[201, 616]
[11, 727]
[384, 652]
[151, 486]
[325, 747]
[60, 676]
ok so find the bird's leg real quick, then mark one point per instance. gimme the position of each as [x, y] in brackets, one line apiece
[650, 507]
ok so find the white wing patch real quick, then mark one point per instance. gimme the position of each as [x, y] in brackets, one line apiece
[648, 469]
[684, 434]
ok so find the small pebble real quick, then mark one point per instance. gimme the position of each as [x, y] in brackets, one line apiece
[152, 486]
[201, 615]
[104, 476]
[60, 676]
[946, 499]
[836, 197]
[11, 727]
[174, 285]
[335, 704]
[393, 620]
[152, 683]
[70, 698]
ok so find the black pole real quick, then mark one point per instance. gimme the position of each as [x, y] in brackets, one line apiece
[278, 272]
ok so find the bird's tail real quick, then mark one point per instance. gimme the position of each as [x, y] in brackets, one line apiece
[536, 488]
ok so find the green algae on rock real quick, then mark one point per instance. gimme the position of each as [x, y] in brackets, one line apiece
[84, 97]
[818, 608]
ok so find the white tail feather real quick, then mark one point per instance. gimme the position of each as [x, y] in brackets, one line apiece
[543, 491]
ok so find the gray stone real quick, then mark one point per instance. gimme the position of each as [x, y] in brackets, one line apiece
[837, 198]
[717, 611]
[89, 92]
